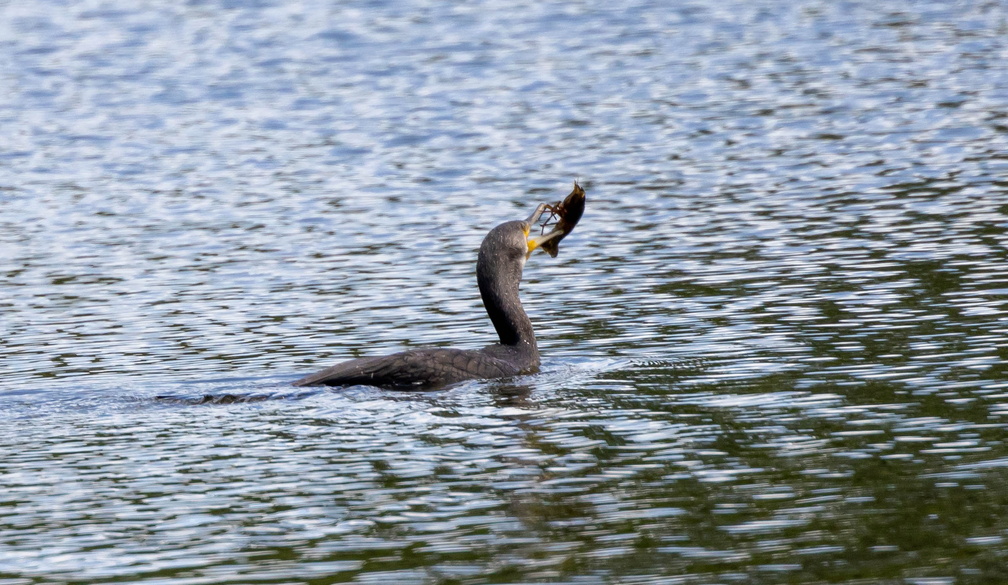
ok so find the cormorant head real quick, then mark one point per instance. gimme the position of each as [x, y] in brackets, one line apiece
[510, 244]
[506, 248]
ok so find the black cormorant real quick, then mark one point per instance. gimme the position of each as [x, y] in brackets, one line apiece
[498, 272]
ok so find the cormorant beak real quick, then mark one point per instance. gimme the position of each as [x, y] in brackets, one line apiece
[535, 242]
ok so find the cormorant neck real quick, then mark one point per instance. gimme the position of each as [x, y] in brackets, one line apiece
[505, 310]
[498, 277]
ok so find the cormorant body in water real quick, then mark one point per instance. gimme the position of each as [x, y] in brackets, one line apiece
[498, 272]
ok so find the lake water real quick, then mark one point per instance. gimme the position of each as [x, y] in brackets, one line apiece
[773, 351]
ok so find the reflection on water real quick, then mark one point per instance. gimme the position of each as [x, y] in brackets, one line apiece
[774, 349]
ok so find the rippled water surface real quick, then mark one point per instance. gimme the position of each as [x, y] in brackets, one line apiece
[773, 351]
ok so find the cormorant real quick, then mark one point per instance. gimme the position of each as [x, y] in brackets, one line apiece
[498, 272]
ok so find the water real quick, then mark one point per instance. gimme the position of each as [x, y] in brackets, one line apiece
[774, 348]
